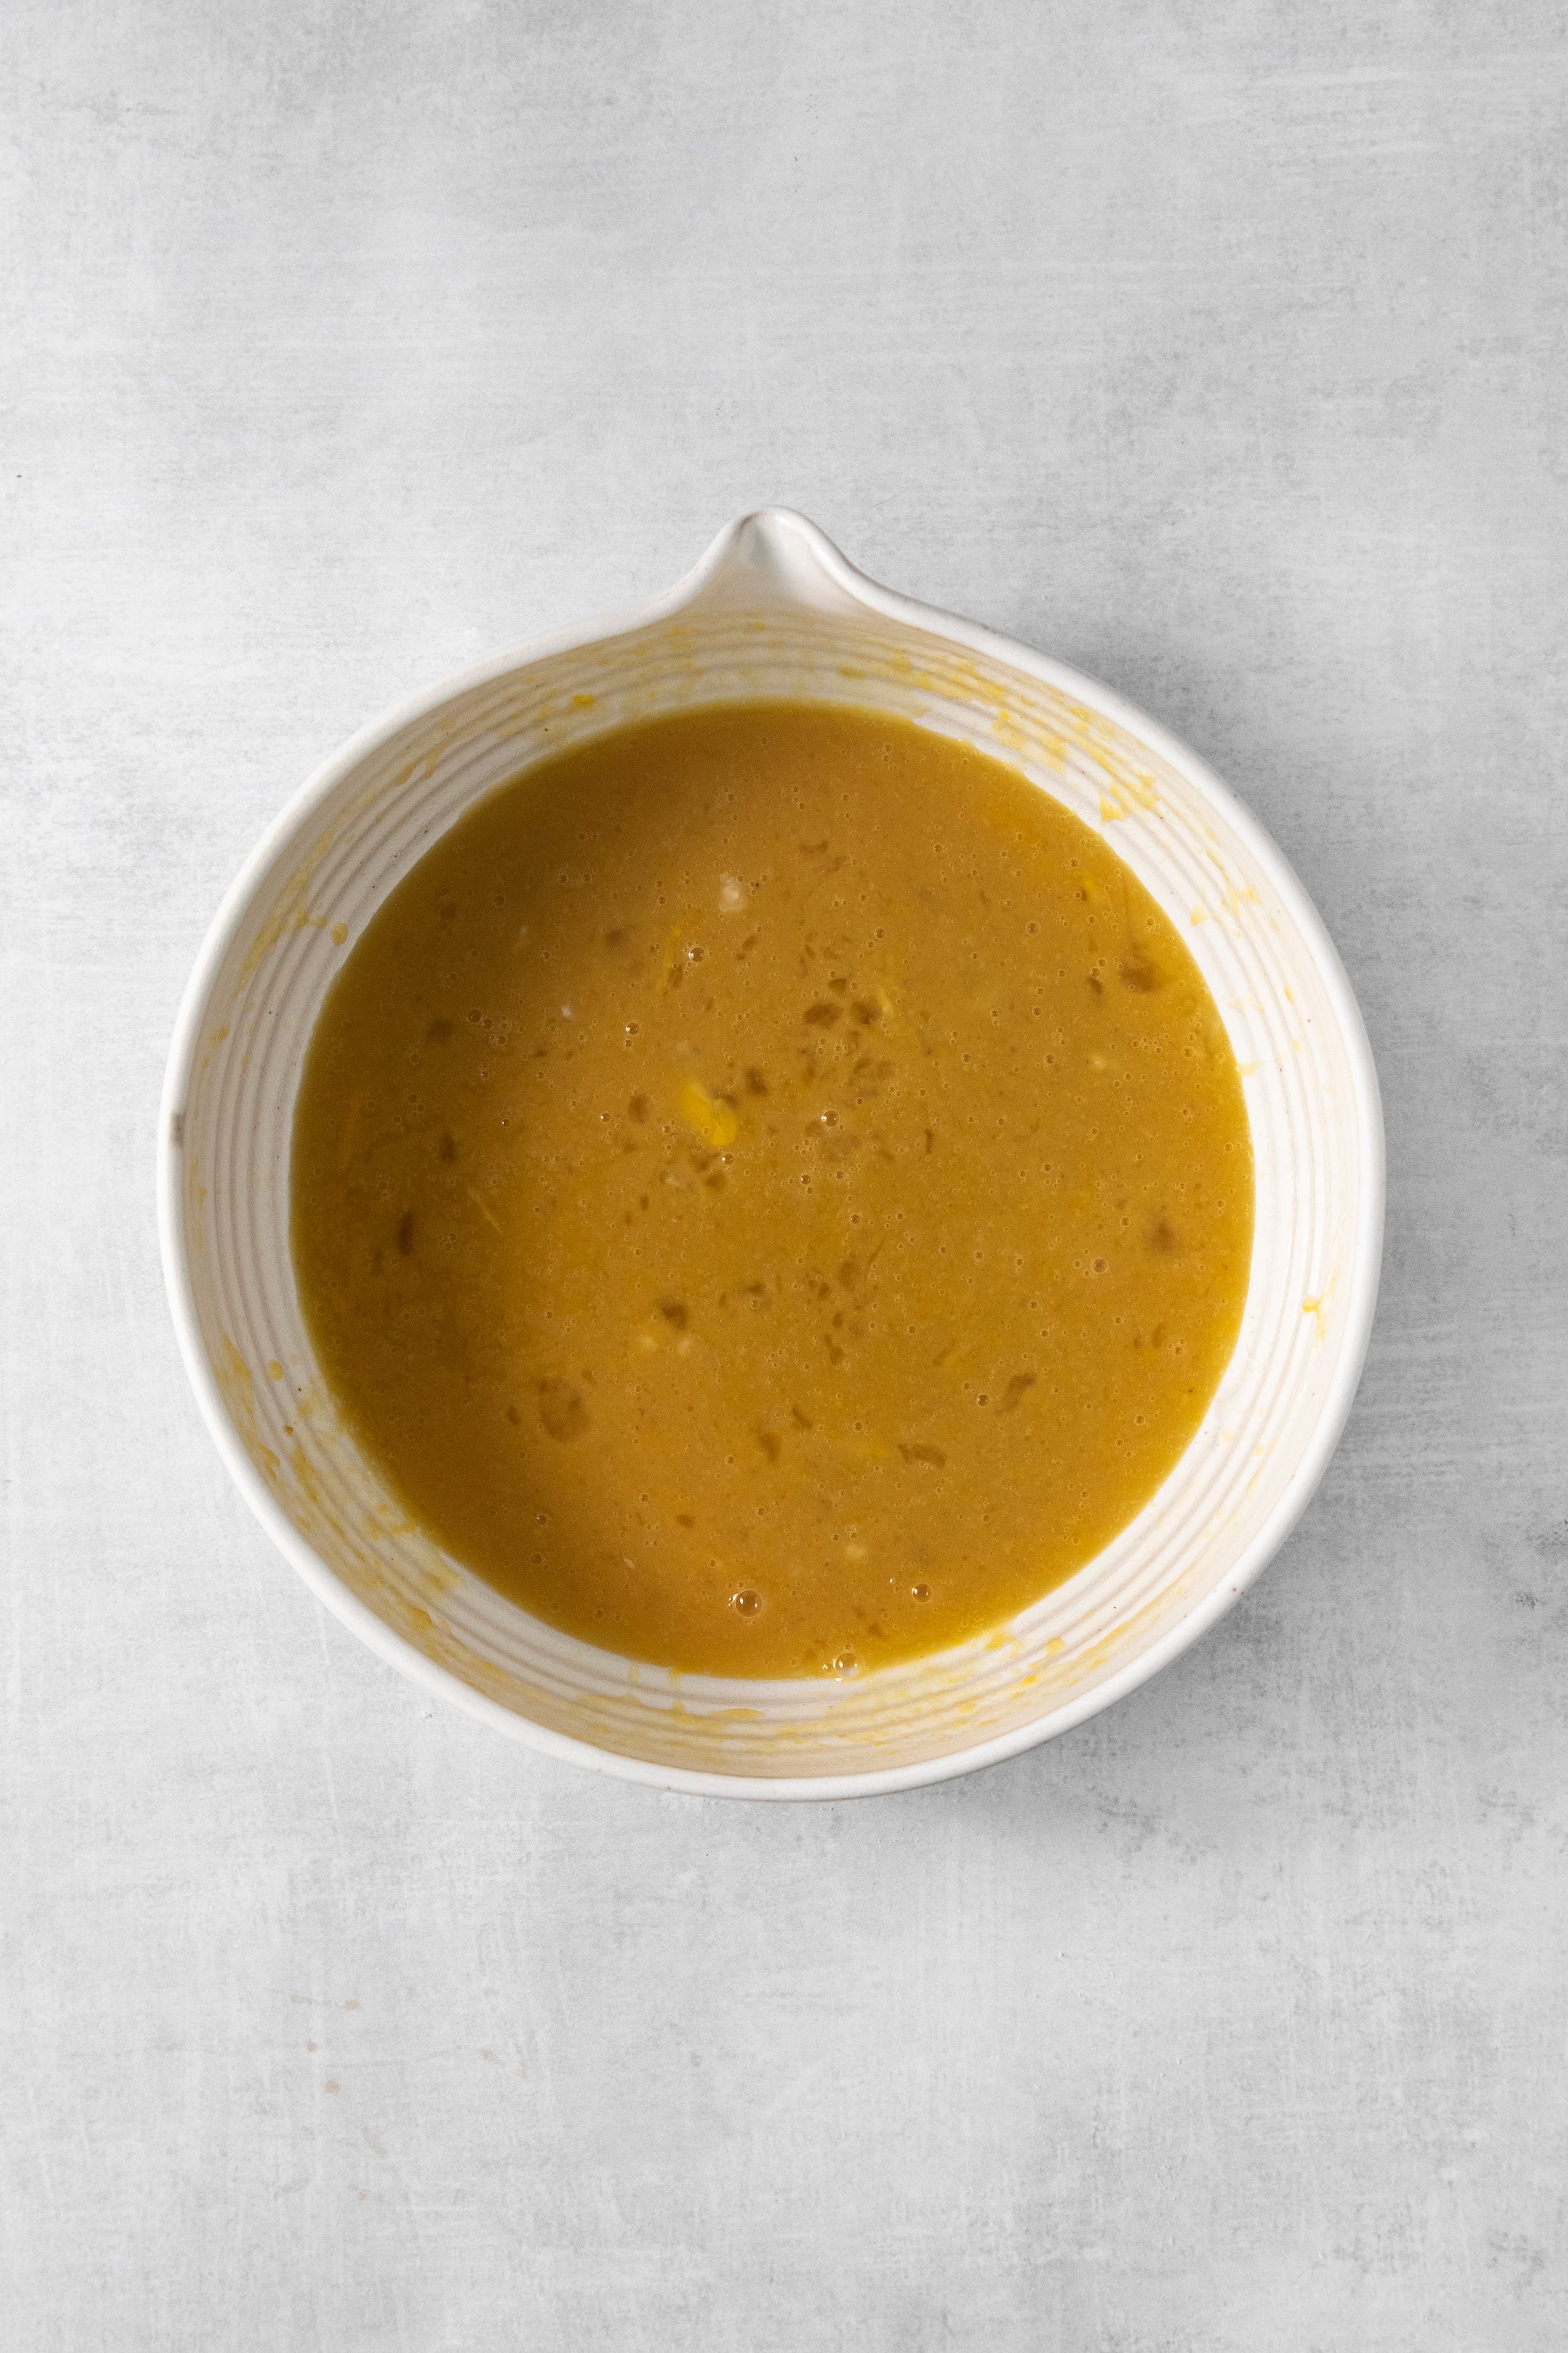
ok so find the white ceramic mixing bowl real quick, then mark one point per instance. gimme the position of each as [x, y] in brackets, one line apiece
[774, 609]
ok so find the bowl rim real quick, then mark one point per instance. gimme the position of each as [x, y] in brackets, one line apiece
[773, 542]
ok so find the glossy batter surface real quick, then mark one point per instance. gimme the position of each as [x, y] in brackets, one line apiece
[772, 1191]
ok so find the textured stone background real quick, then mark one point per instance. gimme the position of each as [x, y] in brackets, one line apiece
[1222, 350]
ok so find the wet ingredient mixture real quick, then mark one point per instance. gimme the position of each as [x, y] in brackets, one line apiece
[771, 1191]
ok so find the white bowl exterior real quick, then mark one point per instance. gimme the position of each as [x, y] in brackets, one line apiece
[774, 610]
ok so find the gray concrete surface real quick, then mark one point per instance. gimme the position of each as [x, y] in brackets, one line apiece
[1223, 350]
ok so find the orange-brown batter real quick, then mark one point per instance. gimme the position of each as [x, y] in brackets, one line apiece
[771, 1191]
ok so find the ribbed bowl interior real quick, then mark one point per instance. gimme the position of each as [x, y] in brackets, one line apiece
[1268, 975]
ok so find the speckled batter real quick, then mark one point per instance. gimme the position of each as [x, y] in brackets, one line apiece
[771, 1191]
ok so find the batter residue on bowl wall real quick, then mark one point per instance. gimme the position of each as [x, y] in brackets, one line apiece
[771, 1191]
